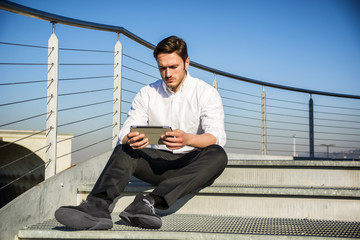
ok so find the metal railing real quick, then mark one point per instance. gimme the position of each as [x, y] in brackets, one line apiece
[260, 117]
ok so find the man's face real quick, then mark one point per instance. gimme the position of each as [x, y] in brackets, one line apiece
[172, 69]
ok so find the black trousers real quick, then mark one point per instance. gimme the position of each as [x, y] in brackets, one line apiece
[174, 175]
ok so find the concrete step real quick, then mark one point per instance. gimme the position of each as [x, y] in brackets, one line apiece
[192, 226]
[300, 173]
[254, 201]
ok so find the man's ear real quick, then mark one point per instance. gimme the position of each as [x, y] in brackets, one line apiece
[187, 63]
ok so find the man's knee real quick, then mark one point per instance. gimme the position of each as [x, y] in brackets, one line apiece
[217, 155]
[124, 149]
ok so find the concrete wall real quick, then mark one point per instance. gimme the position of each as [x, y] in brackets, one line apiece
[40, 202]
[37, 142]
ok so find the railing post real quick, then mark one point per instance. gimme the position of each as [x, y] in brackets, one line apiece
[294, 145]
[311, 127]
[215, 83]
[263, 122]
[117, 92]
[52, 104]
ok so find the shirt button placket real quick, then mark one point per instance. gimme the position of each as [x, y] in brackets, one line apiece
[174, 111]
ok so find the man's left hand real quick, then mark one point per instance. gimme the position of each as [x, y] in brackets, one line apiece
[175, 139]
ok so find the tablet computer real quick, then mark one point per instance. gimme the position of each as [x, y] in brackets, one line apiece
[153, 133]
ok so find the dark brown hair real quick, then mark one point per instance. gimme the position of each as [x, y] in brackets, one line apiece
[172, 44]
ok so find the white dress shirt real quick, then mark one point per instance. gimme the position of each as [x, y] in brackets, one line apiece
[195, 108]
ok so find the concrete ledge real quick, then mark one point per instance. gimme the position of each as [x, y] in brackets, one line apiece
[294, 163]
[237, 156]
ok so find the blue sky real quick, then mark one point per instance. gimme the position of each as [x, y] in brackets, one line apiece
[311, 44]
[307, 44]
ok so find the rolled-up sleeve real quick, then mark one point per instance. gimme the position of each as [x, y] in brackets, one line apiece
[212, 116]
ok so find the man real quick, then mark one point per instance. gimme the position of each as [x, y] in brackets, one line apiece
[190, 158]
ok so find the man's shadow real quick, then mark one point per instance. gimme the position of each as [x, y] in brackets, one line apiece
[177, 205]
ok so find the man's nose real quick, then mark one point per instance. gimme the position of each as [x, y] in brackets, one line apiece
[168, 72]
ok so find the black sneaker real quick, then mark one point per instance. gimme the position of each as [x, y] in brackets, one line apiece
[141, 213]
[92, 214]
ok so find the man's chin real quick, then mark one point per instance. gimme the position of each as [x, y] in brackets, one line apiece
[170, 85]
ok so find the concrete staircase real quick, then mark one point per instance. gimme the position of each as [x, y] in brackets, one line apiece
[252, 199]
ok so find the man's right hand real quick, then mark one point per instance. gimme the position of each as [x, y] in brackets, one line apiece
[136, 140]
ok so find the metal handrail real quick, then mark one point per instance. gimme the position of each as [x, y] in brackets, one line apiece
[34, 13]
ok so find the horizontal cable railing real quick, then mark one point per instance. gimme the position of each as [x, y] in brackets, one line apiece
[260, 117]
[231, 106]
[97, 103]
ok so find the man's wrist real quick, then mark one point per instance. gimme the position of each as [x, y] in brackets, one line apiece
[188, 139]
[125, 140]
